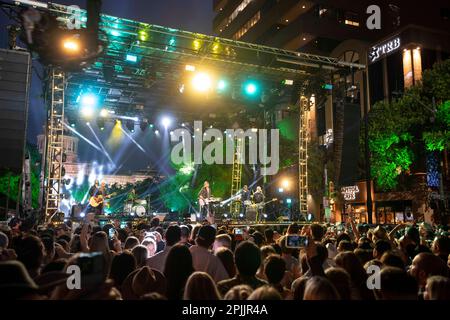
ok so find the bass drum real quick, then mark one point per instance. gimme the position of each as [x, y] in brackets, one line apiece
[139, 211]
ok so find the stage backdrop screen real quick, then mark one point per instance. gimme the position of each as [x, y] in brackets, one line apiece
[14, 87]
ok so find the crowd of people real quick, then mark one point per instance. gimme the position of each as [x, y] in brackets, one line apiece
[154, 261]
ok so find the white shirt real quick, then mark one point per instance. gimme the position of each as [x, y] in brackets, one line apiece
[205, 261]
[158, 261]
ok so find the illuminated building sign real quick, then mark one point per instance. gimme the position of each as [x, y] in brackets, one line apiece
[350, 192]
[383, 49]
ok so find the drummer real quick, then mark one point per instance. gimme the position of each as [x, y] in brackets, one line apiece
[132, 196]
[245, 199]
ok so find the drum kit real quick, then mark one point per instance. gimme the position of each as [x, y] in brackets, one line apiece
[135, 208]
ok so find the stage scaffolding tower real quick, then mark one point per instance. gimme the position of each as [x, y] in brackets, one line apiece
[303, 155]
[55, 143]
[236, 176]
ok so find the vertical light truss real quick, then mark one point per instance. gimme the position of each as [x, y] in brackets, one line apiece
[55, 138]
[303, 156]
[236, 175]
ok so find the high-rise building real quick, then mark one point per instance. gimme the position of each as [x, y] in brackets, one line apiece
[412, 37]
[319, 26]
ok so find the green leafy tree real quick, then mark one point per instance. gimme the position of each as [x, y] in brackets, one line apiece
[401, 129]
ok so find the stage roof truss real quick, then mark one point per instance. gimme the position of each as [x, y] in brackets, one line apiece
[163, 53]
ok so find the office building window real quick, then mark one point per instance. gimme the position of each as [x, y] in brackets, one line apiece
[417, 61]
[407, 68]
[238, 10]
[322, 12]
[352, 23]
[351, 19]
[412, 66]
[254, 20]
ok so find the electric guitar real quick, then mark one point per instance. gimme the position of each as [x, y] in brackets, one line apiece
[263, 204]
[207, 201]
[95, 201]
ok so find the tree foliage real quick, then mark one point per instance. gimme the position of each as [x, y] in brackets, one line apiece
[409, 121]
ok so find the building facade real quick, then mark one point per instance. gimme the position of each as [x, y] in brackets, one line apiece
[413, 36]
[73, 168]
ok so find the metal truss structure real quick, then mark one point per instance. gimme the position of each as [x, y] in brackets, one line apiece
[303, 155]
[236, 175]
[55, 143]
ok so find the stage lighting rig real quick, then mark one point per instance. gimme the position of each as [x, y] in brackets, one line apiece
[101, 123]
[144, 125]
[62, 46]
[130, 125]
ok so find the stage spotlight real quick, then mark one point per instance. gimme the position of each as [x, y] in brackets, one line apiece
[157, 132]
[288, 200]
[89, 100]
[310, 217]
[130, 125]
[87, 111]
[71, 45]
[131, 58]
[190, 68]
[222, 85]
[104, 113]
[285, 183]
[143, 35]
[197, 44]
[280, 190]
[143, 125]
[241, 215]
[251, 88]
[166, 122]
[101, 123]
[201, 82]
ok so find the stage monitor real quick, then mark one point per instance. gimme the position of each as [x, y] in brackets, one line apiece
[14, 89]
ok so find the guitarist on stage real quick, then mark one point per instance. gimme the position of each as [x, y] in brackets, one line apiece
[258, 198]
[97, 195]
[203, 199]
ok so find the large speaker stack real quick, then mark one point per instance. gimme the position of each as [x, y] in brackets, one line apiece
[14, 87]
[15, 70]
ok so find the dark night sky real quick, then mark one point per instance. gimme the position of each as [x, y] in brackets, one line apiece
[190, 15]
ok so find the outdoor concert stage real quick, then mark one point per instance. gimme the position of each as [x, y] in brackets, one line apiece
[150, 82]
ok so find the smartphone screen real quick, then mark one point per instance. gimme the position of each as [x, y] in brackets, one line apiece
[296, 241]
[92, 267]
[112, 233]
[238, 231]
